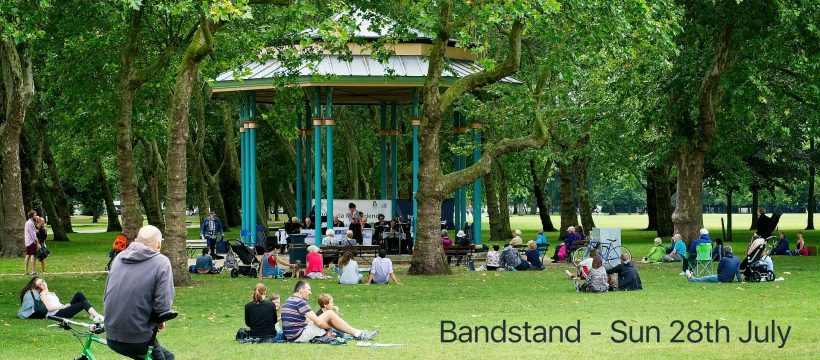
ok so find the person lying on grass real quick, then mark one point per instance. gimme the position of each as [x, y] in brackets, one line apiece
[300, 324]
[37, 289]
[728, 269]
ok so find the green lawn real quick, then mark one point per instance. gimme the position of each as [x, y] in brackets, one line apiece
[211, 309]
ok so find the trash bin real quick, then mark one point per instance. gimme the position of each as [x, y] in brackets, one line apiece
[297, 249]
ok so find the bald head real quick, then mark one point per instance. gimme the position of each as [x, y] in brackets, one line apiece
[150, 236]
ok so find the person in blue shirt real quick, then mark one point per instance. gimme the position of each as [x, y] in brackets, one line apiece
[704, 238]
[541, 242]
[782, 246]
[728, 269]
[209, 229]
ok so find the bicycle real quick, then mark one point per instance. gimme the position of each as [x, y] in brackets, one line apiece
[94, 330]
[610, 254]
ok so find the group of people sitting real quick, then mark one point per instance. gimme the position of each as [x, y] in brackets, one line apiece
[510, 259]
[273, 265]
[781, 247]
[299, 323]
[593, 276]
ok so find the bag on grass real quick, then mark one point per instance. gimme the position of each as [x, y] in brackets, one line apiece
[120, 243]
[39, 308]
[329, 340]
[242, 334]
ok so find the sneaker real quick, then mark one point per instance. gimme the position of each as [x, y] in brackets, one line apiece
[97, 319]
[682, 273]
[688, 274]
[366, 334]
[569, 274]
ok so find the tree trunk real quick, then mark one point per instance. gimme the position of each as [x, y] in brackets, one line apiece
[568, 214]
[64, 211]
[493, 209]
[503, 201]
[651, 198]
[541, 200]
[810, 201]
[581, 165]
[18, 88]
[38, 183]
[728, 216]
[196, 148]
[217, 205]
[152, 171]
[755, 204]
[261, 211]
[108, 197]
[230, 180]
[688, 215]
[663, 202]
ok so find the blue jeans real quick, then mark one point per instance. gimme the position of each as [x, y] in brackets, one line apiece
[710, 278]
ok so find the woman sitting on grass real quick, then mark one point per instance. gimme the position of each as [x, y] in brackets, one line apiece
[37, 289]
[315, 266]
[656, 253]
[272, 265]
[493, 258]
[348, 270]
[533, 256]
[801, 249]
[260, 316]
[597, 280]
[584, 266]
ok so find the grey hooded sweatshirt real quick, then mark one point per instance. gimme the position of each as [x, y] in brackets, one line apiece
[139, 284]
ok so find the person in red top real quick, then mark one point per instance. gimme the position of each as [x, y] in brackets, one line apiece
[315, 267]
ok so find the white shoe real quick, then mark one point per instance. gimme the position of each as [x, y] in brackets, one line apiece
[97, 319]
[688, 274]
[682, 273]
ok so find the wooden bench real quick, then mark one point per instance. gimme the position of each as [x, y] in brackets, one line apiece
[463, 250]
[194, 246]
[358, 251]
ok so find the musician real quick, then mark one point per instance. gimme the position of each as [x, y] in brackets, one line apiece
[379, 227]
[308, 224]
[395, 226]
[293, 227]
[337, 222]
[355, 222]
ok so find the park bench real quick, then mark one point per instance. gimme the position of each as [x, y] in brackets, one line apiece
[194, 246]
[463, 250]
[333, 252]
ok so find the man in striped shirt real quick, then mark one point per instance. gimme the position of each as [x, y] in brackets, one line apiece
[300, 323]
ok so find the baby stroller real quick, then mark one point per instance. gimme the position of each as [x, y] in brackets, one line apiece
[120, 243]
[753, 267]
[241, 260]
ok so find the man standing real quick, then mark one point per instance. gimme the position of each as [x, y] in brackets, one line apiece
[301, 324]
[139, 286]
[31, 242]
[211, 226]
[355, 222]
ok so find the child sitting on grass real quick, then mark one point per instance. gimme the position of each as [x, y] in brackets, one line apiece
[326, 304]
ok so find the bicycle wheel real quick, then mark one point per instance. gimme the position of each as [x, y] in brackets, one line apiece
[613, 255]
[578, 255]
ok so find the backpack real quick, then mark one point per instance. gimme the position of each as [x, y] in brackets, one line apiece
[562, 253]
[120, 243]
[39, 308]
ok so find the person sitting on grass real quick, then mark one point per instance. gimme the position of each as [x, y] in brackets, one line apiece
[272, 265]
[325, 302]
[300, 324]
[52, 303]
[728, 269]
[800, 246]
[381, 270]
[260, 316]
[315, 266]
[627, 275]
[493, 258]
[678, 252]
[533, 256]
[656, 253]
[596, 281]
[517, 240]
[782, 246]
[512, 259]
[584, 266]
[348, 270]
[205, 263]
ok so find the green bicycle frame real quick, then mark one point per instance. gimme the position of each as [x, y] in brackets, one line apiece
[89, 339]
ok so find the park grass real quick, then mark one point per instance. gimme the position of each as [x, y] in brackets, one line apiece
[211, 308]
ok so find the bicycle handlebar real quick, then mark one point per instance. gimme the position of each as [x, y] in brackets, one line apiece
[64, 323]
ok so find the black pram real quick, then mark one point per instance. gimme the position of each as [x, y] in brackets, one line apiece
[241, 260]
[754, 267]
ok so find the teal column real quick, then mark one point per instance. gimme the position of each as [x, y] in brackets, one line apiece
[383, 149]
[299, 134]
[477, 186]
[415, 122]
[394, 157]
[252, 220]
[308, 161]
[247, 113]
[458, 222]
[243, 167]
[317, 161]
[329, 122]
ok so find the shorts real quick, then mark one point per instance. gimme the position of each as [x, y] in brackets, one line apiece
[31, 249]
[309, 332]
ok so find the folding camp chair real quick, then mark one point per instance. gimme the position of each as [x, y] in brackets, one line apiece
[702, 265]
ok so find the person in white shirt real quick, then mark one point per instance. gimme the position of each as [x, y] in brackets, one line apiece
[493, 259]
[329, 239]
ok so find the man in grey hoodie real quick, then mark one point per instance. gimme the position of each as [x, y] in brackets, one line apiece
[140, 284]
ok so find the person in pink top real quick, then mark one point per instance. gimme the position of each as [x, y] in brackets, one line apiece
[31, 242]
[315, 267]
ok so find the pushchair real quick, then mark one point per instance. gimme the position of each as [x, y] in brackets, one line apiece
[120, 243]
[753, 267]
[241, 260]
